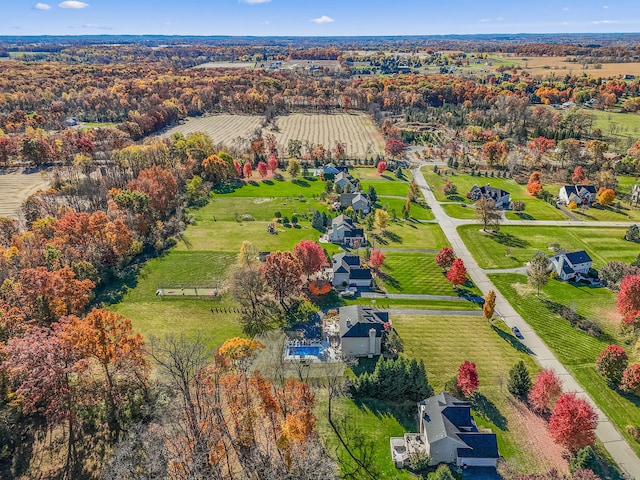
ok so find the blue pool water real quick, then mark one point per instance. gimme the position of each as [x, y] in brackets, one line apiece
[305, 351]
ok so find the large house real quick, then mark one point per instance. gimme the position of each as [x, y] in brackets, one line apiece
[358, 201]
[361, 330]
[635, 194]
[448, 434]
[501, 197]
[581, 194]
[347, 271]
[345, 182]
[344, 232]
[571, 266]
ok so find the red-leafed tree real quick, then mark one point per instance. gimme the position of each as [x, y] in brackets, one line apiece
[247, 170]
[573, 422]
[628, 301]
[377, 258]
[160, 186]
[445, 258]
[272, 163]
[611, 362]
[630, 381]
[237, 167]
[281, 272]
[546, 390]
[382, 167]
[578, 175]
[395, 148]
[262, 169]
[539, 146]
[310, 256]
[458, 273]
[467, 378]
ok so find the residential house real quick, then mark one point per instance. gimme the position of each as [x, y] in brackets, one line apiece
[344, 232]
[358, 201]
[501, 197]
[345, 182]
[581, 194]
[361, 330]
[448, 434]
[571, 266]
[635, 194]
[347, 271]
[330, 169]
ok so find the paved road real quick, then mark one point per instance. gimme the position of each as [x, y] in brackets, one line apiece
[615, 443]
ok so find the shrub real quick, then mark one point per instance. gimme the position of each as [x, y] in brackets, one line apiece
[277, 214]
[450, 189]
[519, 382]
[247, 218]
[611, 362]
[517, 206]
[634, 432]
[632, 234]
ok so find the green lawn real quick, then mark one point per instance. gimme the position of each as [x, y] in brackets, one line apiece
[401, 234]
[462, 210]
[576, 350]
[225, 208]
[622, 126]
[626, 213]
[308, 186]
[415, 273]
[603, 244]
[535, 208]
[416, 212]
[371, 174]
[626, 183]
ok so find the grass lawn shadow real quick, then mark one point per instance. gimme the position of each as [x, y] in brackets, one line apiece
[486, 409]
[301, 183]
[511, 340]
[392, 236]
[455, 198]
[268, 182]
[525, 216]
[509, 240]
[404, 413]
[388, 279]
[117, 285]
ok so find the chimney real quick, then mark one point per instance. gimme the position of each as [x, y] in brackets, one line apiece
[372, 342]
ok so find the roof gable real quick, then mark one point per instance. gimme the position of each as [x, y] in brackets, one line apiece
[357, 320]
[578, 257]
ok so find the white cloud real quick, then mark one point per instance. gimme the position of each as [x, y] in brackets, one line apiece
[99, 27]
[254, 2]
[323, 19]
[605, 6]
[73, 4]
[497, 19]
[565, 9]
[42, 6]
[600, 22]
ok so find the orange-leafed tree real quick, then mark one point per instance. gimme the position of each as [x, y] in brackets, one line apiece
[578, 175]
[606, 196]
[161, 187]
[489, 305]
[534, 186]
[281, 272]
[115, 355]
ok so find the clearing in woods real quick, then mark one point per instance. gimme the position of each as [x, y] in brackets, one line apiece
[357, 131]
[15, 187]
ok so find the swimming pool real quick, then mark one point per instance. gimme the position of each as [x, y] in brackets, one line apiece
[305, 351]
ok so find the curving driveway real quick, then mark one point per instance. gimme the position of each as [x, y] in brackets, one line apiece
[607, 433]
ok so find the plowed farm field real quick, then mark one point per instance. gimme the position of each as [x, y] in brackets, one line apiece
[357, 131]
[15, 187]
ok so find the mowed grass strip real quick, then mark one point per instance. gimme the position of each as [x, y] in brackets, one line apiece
[224, 208]
[416, 210]
[534, 207]
[412, 235]
[576, 350]
[603, 244]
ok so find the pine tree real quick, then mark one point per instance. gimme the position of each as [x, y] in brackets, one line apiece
[519, 382]
[317, 221]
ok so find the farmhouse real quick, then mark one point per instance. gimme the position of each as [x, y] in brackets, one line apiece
[571, 266]
[448, 434]
[361, 331]
[347, 271]
[345, 182]
[501, 197]
[581, 194]
[635, 194]
[344, 232]
[358, 201]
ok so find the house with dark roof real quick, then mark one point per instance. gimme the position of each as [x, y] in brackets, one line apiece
[635, 194]
[344, 232]
[448, 434]
[501, 197]
[358, 201]
[581, 194]
[571, 266]
[361, 330]
[345, 182]
[347, 271]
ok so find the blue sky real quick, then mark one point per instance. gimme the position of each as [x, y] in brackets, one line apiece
[315, 17]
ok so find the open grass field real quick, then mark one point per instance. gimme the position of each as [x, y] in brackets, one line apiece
[576, 350]
[15, 187]
[356, 130]
[244, 65]
[603, 244]
[624, 126]
[417, 211]
[416, 273]
[536, 209]
[409, 235]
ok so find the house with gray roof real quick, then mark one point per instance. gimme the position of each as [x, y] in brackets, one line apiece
[501, 197]
[571, 266]
[348, 271]
[581, 194]
[358, 201]
[361, 330]
[448, 434]
[345, 182]
[343, 231]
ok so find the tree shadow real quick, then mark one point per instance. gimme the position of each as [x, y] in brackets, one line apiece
[116, 283]
[468, 294]
[379, 239]
[487, 410]
[405, 413]
[300, 183]
[455, 198]
[511, 340]
[509, 240]
[525, 216]
[388, 279]
[253, 183]
[227, 187]
[392, 236]
[268, 182]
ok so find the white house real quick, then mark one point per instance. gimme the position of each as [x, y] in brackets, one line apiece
[361, 330]
[344, 232]
[577, 193]
[347, 271]
[571, 266]
[501, 197]
[448, 434]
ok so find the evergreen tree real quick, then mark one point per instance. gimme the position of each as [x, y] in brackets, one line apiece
[519, 382]
[373, 196]
[399, 173]
[317, 221]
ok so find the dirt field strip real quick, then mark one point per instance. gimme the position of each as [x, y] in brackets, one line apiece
[15, 187]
